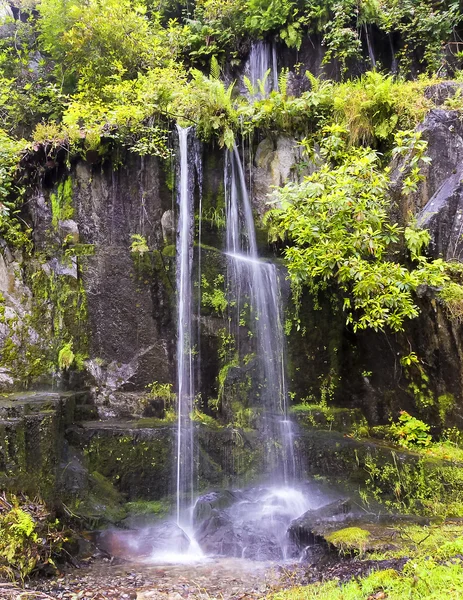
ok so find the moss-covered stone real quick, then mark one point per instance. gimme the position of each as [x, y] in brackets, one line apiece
[137, 461]
[331, 418]
[32, 430]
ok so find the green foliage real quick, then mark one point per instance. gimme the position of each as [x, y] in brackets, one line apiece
[162, 391]
[96, 42]
[342, 42]
[424, 579]
[452, 297]
[214, 298]
[339, 231]
[267, 15]
[29, 538]
[209, 104]
[410, 431]
[12, 227]
[66, 356]
[139, 244]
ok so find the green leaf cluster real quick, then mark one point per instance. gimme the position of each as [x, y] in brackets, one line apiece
[29, 537]
[339, 236]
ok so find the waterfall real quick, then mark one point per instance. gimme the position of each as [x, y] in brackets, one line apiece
[185, 383]
[263, 59]
[259, 280]
[371, 52]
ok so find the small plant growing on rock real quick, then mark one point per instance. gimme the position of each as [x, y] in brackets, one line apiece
[66, 356]
[139, 244]
[410, 431]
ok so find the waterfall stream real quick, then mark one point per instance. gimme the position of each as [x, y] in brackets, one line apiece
[185, 383]
[258, 280]
[262, 67]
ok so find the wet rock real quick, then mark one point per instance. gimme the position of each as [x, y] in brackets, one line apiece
[443, 217]
[440, 92]
[208, 503]
[273, 167]
[443, 130]
[54, 265]
[168, 227]
[69, 229]
[305, 530]
[297, 84]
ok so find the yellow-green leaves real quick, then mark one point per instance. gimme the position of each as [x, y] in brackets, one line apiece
[339, 231]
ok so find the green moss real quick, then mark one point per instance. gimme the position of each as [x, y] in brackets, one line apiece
[349, 539]
[59, 312]
[62, 202]
[101, 504]
[66, 356]
[445, 405]
[137, 464]
[159, 508]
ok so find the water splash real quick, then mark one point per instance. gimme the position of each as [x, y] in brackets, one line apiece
[258, 280]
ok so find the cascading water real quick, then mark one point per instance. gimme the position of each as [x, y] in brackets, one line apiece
[185, 383]
[263, 59]
[258, 280]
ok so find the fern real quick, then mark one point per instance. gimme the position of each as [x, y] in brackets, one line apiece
[262, 83]
[283, 79]
[314, 81]
[215, 68]
[248, 85]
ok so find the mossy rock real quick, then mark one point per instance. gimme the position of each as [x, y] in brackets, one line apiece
[349, 539]
[328, 418]
[102, 505]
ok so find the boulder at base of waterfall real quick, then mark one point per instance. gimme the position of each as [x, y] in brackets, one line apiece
[307, 529]
[221, 535]
[206, 504]
[166, 537]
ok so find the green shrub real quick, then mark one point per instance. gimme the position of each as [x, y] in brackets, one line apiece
[30, 539]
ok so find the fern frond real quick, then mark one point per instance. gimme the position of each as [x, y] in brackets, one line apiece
[314, 81]
[248, 85]
[229, 91]
[215, 68]
[283, 79]
[261, 84]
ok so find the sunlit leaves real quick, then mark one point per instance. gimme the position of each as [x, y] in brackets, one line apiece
[337, 226]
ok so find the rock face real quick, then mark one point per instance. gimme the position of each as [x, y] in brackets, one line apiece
[443, 131]
[443, 217]
[115, 303]
[273, 165]
[15, 330]
[128, 303]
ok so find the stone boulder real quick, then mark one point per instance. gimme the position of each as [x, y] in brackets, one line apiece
[307, 529]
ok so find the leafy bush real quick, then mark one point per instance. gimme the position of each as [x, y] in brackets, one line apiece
[410, 431]
[338, 229]
[30, 539]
